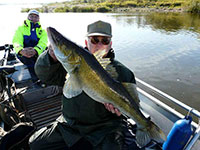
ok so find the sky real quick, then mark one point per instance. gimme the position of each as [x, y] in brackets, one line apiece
[29, 1]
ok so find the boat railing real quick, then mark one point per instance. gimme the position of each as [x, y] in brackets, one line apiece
[191, 110]
[170, 98]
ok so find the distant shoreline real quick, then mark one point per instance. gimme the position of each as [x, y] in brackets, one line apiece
[114, 10]
[129, 10]
[76, 6]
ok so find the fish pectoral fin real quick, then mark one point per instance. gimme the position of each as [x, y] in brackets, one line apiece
[72, 87]
[131, 88]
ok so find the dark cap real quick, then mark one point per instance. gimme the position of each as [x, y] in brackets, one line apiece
[99, 28]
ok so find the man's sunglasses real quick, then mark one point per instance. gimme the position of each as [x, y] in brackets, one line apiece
[96, 40]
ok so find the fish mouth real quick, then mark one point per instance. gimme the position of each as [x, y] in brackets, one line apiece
[64, 49]
[58, 40]
[54, 36]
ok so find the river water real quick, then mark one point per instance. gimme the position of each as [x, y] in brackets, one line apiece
[163, 49]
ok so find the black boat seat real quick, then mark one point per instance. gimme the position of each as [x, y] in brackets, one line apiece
[43, 105]
[7, 70]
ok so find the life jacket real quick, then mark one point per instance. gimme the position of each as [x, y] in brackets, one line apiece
[30, 35]
[32, 39]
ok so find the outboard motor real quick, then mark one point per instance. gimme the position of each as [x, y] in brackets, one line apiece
[179, 134]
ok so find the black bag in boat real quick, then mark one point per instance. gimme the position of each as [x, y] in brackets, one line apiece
[130, 140]
[18, 136]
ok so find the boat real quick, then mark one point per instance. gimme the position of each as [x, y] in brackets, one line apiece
[21, 101]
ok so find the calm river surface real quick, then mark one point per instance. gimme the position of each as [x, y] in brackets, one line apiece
[163, 49]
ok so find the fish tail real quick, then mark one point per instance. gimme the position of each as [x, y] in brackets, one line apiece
[145, 135]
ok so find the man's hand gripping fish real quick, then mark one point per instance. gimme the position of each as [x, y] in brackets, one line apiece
[86, 73]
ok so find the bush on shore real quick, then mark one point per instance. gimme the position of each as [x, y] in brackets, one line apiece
[82, 9]
[103, 9]
[62, 9]
[194, 6]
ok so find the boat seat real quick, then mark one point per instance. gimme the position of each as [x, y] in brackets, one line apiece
[43, 105]
[7, 70]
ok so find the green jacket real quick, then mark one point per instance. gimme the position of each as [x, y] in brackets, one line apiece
[25, 30]
[81, 116]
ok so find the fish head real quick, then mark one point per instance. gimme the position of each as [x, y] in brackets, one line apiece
[64, 50]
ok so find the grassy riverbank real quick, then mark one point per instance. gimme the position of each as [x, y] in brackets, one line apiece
[192, 6]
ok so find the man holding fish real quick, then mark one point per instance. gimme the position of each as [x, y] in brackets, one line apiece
[94, 85]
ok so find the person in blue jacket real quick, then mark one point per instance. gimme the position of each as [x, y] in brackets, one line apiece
[29, 41]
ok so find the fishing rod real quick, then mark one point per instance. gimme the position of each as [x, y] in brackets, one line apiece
[7, 48]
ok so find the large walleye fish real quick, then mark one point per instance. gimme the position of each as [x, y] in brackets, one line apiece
[85, 73]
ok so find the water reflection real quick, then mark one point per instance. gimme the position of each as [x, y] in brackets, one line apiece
[165, 22]
[162, 49]
[174, 22]
[131, 19]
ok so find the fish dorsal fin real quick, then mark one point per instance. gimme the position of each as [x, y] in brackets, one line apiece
[99, 55]
[72, 87]
[106, 63]
[131, 88]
